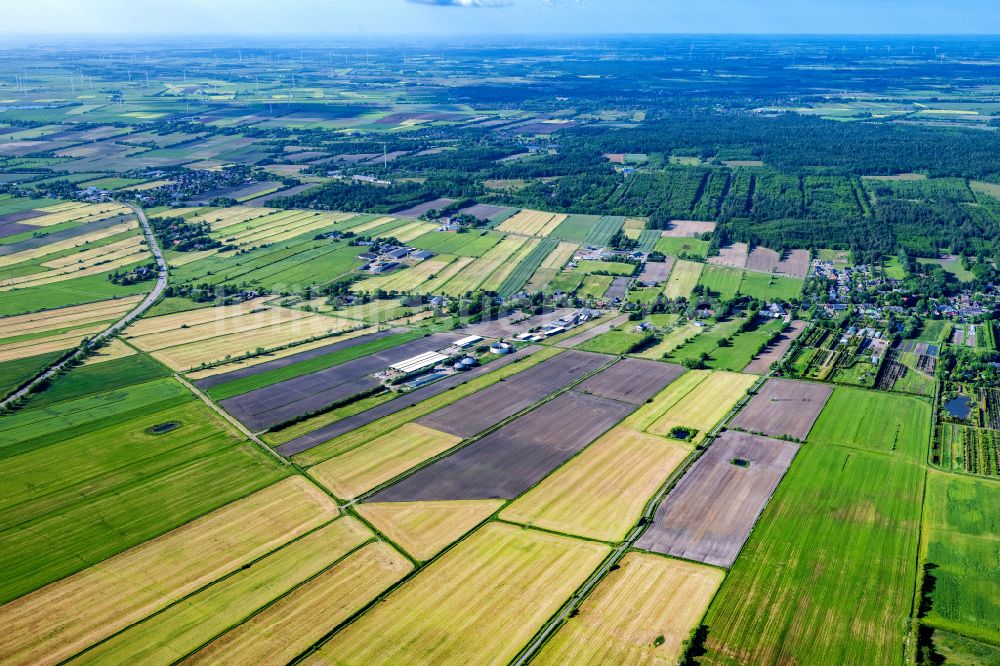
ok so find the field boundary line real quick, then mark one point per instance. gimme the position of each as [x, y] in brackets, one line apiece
[478, 436]
[239, 426]
[573, 603]
[161, 284]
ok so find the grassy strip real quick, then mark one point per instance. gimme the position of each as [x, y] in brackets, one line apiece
[253, 382]
[17, 372]
[83, 381]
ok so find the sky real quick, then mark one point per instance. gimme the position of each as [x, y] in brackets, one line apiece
[494, 17]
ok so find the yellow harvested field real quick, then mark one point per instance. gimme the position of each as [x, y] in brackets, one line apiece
[532, 222]
[151, 185]
[74, 315]
[218, 327]
[179, 320]
[178, 259]
[282, 229]
[706, 404]
[634, 223]
[413, 230]
[365, 467]
[683, 279]
[479, 270]
[189, 624]
[220, 218]
[551, 266]
[112, 351]
[647, 598]
[66, 244]
[48, 344]
[368, 226]
[493, 282]
[269, 223]
[479, 603]
[424, 529]
[59, 620]
[600, 493]
[641, 419]
[86, 212]
[406, 279]
[281, 353]
[282, 631]
[435, 284]
[193, 354]
[96, 268]
[110, 251]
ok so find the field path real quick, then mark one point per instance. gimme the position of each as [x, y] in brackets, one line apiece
[229, 419]
[151, 298]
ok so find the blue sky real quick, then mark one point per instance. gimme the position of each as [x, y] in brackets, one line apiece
[449, 17]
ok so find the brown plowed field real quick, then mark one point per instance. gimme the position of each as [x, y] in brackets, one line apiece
[734, 256]
[763, 260]
[481, 410]
[708, 516]
[687, 228]
[279, 402]
[632, 380]
[656, 272]
[784, 407]
[774, 351]
[796, 263]
[507, 462]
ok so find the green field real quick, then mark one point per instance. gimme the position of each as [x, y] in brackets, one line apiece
[874, 421]
[593, 286]
[934, 330]
[893, 268]
[575, 228]
[827, 575]
[721, 281]
[77, 291]
[612, 342]
[963, 556]
[463, 245]
[606, 267]
[90, 488]
[269, 377]
[683, 247]
[100, 377]
[16, 372]
[770, 287]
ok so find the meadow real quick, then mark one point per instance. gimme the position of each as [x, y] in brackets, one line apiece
[833, 550]
[874, 421]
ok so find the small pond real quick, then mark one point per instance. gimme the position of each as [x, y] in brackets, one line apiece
[959, 407]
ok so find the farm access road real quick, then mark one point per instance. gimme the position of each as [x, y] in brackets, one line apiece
[151, 298]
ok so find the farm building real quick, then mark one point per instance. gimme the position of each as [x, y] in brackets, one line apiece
[419, 362]
[468, 341]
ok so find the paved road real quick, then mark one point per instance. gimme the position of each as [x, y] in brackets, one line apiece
[161, 284]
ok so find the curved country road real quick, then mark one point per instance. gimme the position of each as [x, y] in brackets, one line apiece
[161, 284]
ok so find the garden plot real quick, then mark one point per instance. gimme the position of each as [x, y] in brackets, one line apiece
[631, 380]
[642, 612]
[470, 605]
[776, 349]
[709, 514]
[270, 405]
[510, 460]
[733, 256]
[492, 405]
[784, 408]
[688, 229]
